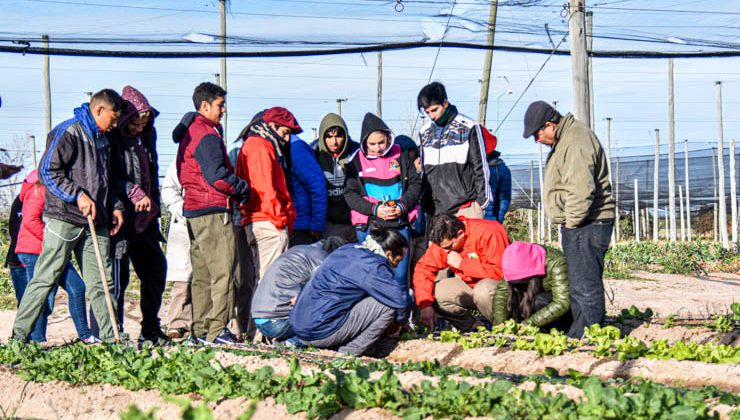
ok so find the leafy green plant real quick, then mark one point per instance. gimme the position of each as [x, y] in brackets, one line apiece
[634, 313]
[669, 321]
[722, 323]
[735, 308]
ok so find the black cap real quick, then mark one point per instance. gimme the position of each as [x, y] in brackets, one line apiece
[538, 113]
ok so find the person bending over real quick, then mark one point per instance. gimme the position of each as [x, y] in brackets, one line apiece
[283, 281]
[353, 297]
[536, 288]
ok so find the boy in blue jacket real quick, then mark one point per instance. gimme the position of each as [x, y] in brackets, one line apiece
[308, 194]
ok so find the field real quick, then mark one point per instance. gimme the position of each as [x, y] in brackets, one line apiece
[681, 360]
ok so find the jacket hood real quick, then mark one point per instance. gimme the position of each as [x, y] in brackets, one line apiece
[28, 183]
[371, 123]
[332, 120]
[182, 127]
[136, 103]
[85, 117]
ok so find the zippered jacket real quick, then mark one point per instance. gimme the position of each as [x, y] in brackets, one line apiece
[455, 167]
[481, 259]
[333, 167]
[77, 160]
[309, 188]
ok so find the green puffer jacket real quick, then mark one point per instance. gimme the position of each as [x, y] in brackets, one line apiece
[555, 281]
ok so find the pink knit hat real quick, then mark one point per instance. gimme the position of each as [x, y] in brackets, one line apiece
[523, 260]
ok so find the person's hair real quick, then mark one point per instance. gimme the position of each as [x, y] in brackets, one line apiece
[110, 98]
[389, 239]
[445, 226]
[208, 92]
[336, 131]
[521, 298]
[431, 94]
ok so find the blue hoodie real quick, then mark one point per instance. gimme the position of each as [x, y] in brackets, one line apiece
[347, 276]
[309, 187]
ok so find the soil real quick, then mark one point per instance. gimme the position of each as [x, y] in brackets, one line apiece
[687, 297]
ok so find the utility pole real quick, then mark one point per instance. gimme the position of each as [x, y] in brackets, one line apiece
[686, 191]
[616, 202]
[671, 153]
[486, 79]
[379, 105]
[680, 213]
[88, 95]
[714, 185]
[47, 82]
[339, 105]
[579, 60]
[217, 78]
[590, 48]
[733, 192]
[721, 171]
[33, 146]
[656, 186]
[222, 7]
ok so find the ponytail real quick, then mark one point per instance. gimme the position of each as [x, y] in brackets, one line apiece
[388, 239]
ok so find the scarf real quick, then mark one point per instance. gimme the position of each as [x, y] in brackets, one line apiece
[447, 116]
[373, 246]
[282, 148]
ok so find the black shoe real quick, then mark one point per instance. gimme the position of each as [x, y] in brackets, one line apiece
[226, 337]
[157, 338]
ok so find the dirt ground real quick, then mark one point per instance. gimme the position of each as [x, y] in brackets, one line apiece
[687, 297]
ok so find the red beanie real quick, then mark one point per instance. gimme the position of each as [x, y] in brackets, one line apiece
[281, 116]
[489, 139]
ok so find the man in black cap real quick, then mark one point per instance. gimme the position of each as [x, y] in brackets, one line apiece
[576, 194]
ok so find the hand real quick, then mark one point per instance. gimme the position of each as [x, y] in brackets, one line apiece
[417, 164]
[393, 213]
[6, 171]
[86, 205]
[428, 317]
[117, 222]
[454, 259]
[293, 300]
[143, 205]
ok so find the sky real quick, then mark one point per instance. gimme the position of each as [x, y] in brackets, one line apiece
[632, 92]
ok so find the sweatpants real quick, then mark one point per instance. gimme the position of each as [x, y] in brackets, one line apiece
[214, 260]
[366, 323]
[60, 241]
[454, 300]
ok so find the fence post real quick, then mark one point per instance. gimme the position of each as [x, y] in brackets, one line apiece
[636, 215]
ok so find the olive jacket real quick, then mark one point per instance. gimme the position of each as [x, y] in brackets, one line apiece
[555, 281]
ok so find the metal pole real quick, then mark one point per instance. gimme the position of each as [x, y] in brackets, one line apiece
[616, 207]
[667, 223]
[579, 61]
[636, 215]
[379, 104]
[33, 149]
[609, 169]
[47, 82]
[339, 105]
[680, 213]
[656, 184]
[531, 200]
[714, 184]
[222, 7]
[541, 219]
[733, 192]
[686, 189]
[671, 153]
[721, 171]
[589, 49]
[486, 79]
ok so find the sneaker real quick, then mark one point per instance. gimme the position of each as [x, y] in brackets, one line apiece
[177, 333]
[91, 340]
[226, 337]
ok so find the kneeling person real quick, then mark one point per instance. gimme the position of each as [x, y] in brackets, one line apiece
[536, 288]
[472, 249]
[353, 297]
[283, 281]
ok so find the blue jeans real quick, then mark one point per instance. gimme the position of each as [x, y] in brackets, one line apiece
[73, 284]
[281, 331]
[584, 248]
[20, 279]
[401, 270]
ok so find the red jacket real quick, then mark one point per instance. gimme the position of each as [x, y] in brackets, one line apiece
[203, 167]
[481, 253]
[270, 199]
[31, 235]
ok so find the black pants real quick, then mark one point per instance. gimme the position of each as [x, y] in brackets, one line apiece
[145, 253]
[585, 248]
[301, 237]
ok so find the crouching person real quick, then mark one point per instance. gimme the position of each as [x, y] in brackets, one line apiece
[472, 249]
[353, 297]
[283, 281]
[536, 288]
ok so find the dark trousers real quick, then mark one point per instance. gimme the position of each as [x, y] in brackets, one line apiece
[145, 253]
[585, 248]
[301, 237]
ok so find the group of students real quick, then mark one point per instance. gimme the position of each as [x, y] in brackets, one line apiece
[311, 244]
